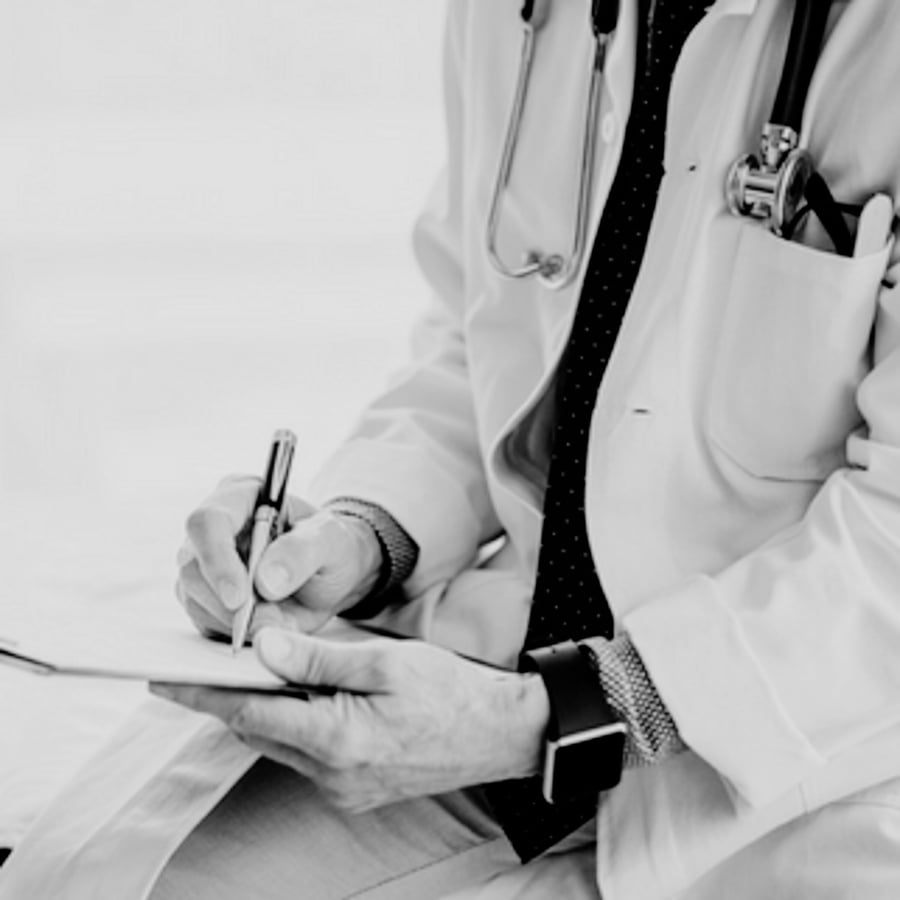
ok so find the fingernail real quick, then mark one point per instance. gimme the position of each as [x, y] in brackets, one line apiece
[275, 578]
[274, 645]
[229, 593]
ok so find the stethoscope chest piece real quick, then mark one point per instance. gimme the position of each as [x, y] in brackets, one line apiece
[782, 185]
[774, 189]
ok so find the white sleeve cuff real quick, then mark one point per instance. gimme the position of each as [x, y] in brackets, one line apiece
[725, 709]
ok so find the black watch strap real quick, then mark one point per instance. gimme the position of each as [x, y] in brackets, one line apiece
[585, 739]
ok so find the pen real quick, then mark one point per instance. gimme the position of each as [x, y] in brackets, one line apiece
[268, 522]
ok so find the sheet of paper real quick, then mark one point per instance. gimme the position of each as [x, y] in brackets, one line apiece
[136, 638]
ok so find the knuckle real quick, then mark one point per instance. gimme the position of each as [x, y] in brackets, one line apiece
[181, 594]
[386, 667]
[196, 522]
[184, 555]
[198, 601]
[323, 525]
[337, 529]
[243, 719]
[339, 793]
[189, 575]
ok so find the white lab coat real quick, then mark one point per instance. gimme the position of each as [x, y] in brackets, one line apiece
[743, 493]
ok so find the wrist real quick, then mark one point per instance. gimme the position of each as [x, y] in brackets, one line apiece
[585, 740]
[398, 553]
[526, 711]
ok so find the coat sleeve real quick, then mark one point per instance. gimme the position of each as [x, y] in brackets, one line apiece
[791, 655]
[415, 449]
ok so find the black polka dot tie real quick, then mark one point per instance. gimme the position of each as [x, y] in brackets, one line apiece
[568, 601]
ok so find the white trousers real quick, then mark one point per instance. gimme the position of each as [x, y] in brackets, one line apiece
[175, 807]
[274, 838]
[450, 848]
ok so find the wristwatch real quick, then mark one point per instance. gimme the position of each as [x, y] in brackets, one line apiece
[585, 741]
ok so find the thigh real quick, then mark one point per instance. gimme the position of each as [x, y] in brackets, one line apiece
[846, 850]
[569, 872]
[273, 838]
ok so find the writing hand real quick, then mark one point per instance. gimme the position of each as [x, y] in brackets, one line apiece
[322, 564]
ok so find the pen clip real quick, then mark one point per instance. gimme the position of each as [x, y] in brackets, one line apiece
[274, 486]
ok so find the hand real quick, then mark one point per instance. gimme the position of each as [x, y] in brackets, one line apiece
[322, 564]
[429, 721]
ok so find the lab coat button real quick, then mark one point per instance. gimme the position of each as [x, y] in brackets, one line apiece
[608, 127]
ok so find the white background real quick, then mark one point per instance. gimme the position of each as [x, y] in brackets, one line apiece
[204, 217]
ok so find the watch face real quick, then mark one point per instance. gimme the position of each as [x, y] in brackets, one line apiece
[589, 761]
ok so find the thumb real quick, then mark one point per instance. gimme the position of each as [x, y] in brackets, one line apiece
[365, 667]
[295, 564]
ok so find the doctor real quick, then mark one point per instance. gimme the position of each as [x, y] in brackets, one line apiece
[677, 465]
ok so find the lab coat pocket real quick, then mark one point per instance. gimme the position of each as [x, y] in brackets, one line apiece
[793, 348]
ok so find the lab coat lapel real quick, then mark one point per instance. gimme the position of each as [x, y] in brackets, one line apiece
[712, 122]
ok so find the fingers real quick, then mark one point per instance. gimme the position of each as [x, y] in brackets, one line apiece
[309, 727]
[367, 667]
[314, 564]
[290, 616]
[212, 530]
[193, 587]
[206, 624]
[210, 616]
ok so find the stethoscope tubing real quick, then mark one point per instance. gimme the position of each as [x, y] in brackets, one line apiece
[802, 54]
[501, 182]
[782, 186]
[772, 188]
[553, 270]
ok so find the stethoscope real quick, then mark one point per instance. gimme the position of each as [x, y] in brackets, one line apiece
[781, 187]
[554, 270]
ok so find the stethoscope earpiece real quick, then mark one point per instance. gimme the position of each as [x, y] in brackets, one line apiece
[777, 187]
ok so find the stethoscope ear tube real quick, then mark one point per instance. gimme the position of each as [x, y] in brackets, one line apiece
[553, 270]
[531, 264]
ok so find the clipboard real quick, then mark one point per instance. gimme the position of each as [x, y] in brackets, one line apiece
[161, 646]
